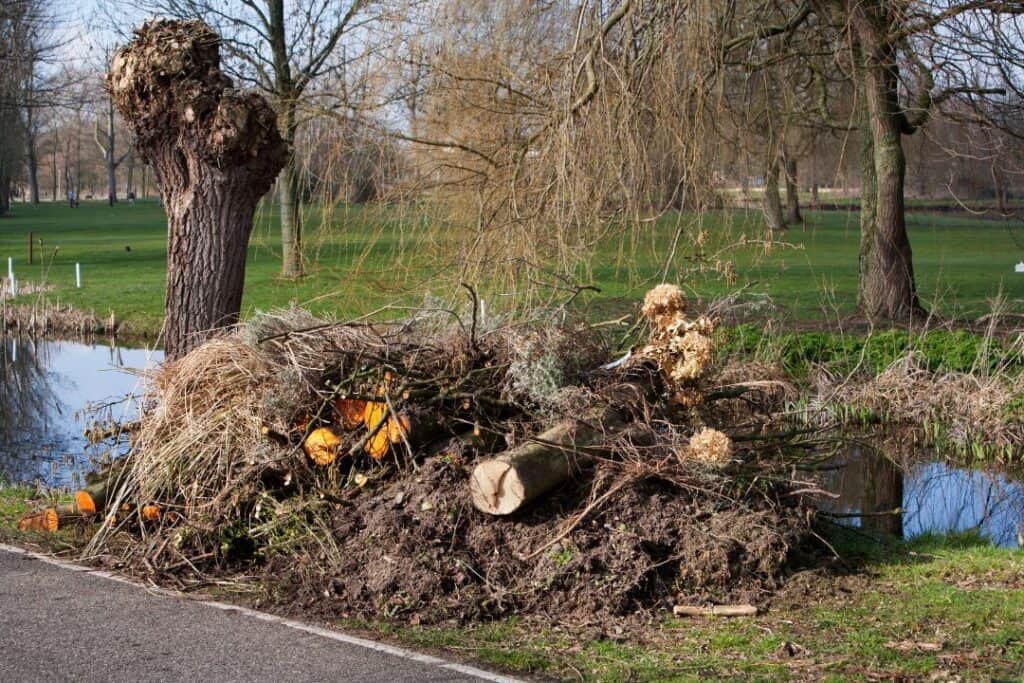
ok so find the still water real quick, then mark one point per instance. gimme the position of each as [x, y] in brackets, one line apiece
[47, 392]
[931, 495]
[47, 389]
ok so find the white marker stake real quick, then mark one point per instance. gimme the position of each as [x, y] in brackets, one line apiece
[78, 275]
[14, 287]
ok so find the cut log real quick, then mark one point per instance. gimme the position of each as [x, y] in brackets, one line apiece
[348, 413]
[46, 520]
[504, 484]
[322, 446]
[52, 519]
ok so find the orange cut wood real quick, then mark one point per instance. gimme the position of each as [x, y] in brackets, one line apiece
[373, 412]
[398, 429]
[85, 504]
[150, 512]
[47, 520]
[348, 412]
[378, 445]
[322, 446]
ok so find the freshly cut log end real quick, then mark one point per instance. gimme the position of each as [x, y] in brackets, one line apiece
[373, 411]
[502, 485]
[47, 520]
[379, 444]
[348, 412]
[322, 446]
[150, 512]
[85, 503]
[497, 488]
[398, 429]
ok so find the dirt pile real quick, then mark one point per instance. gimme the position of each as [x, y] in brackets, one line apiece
[415, 548]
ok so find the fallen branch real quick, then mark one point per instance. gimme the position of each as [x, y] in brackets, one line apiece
[715, 611]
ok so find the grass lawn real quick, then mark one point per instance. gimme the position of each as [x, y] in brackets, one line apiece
[961, 262]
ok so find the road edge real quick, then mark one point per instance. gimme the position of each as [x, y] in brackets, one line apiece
[321, 631]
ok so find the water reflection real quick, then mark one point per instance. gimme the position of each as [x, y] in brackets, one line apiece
[44, 387]
[932, 495]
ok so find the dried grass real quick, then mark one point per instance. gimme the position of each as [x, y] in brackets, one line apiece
[973, 412]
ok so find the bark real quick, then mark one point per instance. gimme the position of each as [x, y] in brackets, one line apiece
[793, 215]
[214, 153]
[31, 161]
[503, 485]
[130, 174]
[108, 149]
[292, 265]
[772, 206]
[887, 288]
[53, 170]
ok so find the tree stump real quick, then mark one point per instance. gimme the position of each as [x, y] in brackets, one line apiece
[214, 151]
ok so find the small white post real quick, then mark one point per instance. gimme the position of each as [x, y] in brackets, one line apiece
[78, 275]
[14, 287]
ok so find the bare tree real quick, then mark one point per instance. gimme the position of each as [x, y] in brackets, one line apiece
[215, 152]
[106, 141]
[905, 58]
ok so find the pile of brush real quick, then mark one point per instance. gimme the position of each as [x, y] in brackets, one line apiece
[260, 444]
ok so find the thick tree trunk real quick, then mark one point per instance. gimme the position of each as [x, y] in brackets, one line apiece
[793, 215]
[208, 237]
[292, 265]
[772, 206]
[111, 182]
[214, 153]
[887, 290]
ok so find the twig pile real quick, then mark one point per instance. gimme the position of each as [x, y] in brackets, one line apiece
[338, 457]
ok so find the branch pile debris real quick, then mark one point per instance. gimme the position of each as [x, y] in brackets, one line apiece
[437, 468]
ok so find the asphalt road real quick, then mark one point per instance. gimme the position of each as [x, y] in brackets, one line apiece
[59, 623]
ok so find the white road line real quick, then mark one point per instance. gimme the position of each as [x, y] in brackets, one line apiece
[330, 634]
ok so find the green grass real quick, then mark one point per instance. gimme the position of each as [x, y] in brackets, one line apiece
[961, 262]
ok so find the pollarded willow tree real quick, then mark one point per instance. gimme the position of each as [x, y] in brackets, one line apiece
[285, 49]
[215, 152]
